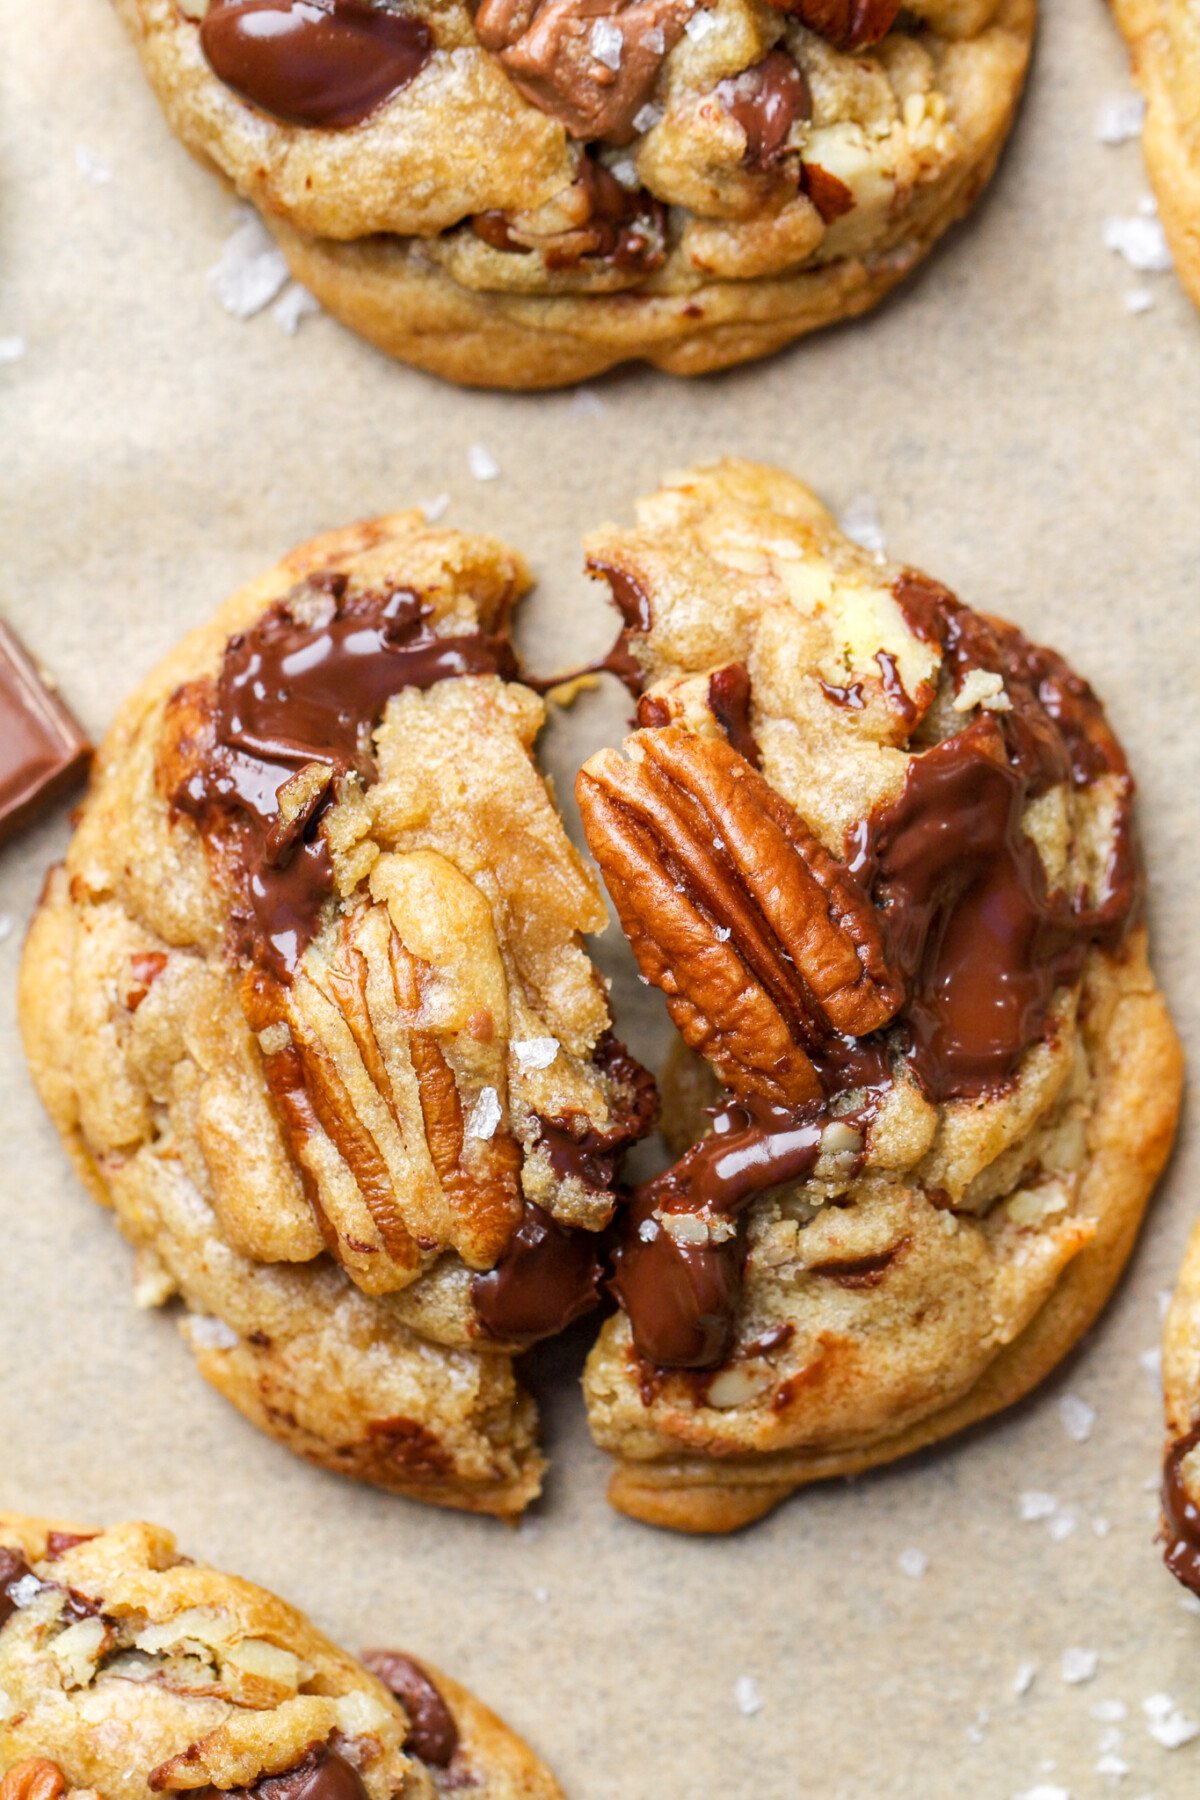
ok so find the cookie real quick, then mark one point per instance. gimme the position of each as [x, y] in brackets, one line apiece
[877, 851]
[309, 1005]
[1181, 1400]
[1164, 44]
[525, 192]
[126, 1669]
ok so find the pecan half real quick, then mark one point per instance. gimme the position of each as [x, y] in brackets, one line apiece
[761, 941]
[36, 1779]
[846, 24]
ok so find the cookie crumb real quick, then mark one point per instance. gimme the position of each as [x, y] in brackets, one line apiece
[251, 270]
[700, 26]
[1108, 1764]
[748, 1696]
[1120, 118]
[1077, 1417]
[586, 404]
[482, 463]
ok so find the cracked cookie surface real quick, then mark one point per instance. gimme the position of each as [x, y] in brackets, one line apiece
[127, 1670]
[309, 1005]
[877, 852]
[526, 192]
[1164, 45]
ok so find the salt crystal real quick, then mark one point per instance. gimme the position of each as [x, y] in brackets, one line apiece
[1190, 1602]
[535, 1053]
[1078, 1665]
[1151, 1361]
[1023, 1679]
[1139, 300]
[434, 508]
[541, 1595]
[647, 117]
[1166, 1723]
[1112, 1765]
[1077, 1417]
[1100, 1527]
[1108, 1712]
[1141, 241]
[6, 926]
[485, 1115]
[1044, 1791]
[294, 305]
[625, 172]
[606, 43]
[861, 523]
[1062, 1525]
[1110, 1740]
[25, 1591]
[12, 349]
[1120, 118]
[913, 1562]
[1163, 1301]
[1034, 1503]
[251, 271]
[93, 168]
[722, 933]
[748, 1696]
[655, 40]
[208, 1333]
[700, 26]
[482, 463]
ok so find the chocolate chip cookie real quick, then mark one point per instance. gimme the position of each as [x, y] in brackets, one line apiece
[126, 1669]
[309, 1005]
[877, 850]
[1164, 43]
[521, 193]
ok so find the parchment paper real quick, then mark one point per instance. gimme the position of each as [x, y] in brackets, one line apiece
[1027, 439]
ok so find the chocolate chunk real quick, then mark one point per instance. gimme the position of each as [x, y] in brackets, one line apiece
[766, 101]
[43, 751]
[328, 63]
[296, 702]
[321, 1774]
[592, 66]
[547, 1275]
[1181, 1516]
[432, 1733]
[13, 1568]
[729, 703]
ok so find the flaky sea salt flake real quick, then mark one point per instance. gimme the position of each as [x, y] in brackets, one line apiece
[93, 168]
[12, 349]
[485, 1115]
[1166, 1722]
[208, 1333]
[1077, 1417]
[913, 1562]
[861, 523]
[1141, 241]
[606, 43]
[1078, 1665]
[251, 270]
[535, 1053]
[434, 508]
[482, 463]
[1035, 1503]
[1024, 1678]
[294, 305]
[1139, 300]
[748, 1696]
[1120, 118]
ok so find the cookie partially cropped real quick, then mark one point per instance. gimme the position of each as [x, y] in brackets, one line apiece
[1181, 1404]
[1164, 44]
[878, 852]
[127, 1670]
[309, 1005]
[521, 193]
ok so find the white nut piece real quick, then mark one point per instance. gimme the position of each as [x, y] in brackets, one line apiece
[739, 1385]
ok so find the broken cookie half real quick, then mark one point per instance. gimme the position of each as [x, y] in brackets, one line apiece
[309, 1005]
[126, 1669]
[877, 851]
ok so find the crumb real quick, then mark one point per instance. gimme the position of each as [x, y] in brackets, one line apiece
[1166, 1723]
[1139, 300]
[1062, 1525]
[1024, 1678]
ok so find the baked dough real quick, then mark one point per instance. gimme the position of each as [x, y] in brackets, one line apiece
[961, 1226]
[521, 214]
[127, 1669]
[1164, 43]
[325, 1161]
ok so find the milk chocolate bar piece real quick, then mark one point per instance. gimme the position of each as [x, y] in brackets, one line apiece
[43, 750]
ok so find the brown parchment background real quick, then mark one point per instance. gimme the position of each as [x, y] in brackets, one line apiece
[1029, 442]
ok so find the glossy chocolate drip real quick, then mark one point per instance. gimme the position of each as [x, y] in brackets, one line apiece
[850, 698]
[327, 63]
[43, 751]
[681, 1297]
[547, 1275]
[729, 703]
[13, 1568]
[1181, 1516]
[307, 685]
[633, 604]
[766, 101]
[432, 1733]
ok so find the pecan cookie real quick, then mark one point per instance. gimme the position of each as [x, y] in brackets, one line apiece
[1164, 43]
[309, 1005]
[127, 1670]
[1181, 1398]
[520, 193]
[877, 851]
